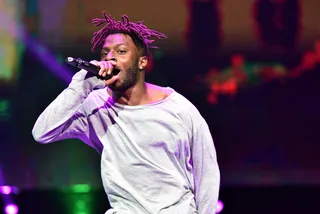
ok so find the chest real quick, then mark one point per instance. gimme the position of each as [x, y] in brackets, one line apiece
[148, 131]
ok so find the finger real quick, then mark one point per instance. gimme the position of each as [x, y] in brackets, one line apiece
[112, 80]
[110, 67]
[102, 68]
[106, 69]
[95, 62]
[113, 63]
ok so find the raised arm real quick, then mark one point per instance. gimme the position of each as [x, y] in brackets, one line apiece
[206, 170]
[64, 117]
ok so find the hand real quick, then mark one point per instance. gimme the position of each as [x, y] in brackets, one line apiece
[106, 68]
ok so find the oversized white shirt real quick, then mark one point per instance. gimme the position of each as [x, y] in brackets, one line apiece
[157, 158]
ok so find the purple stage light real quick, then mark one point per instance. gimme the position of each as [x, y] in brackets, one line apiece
[220, 206]
[11, 209]
[5, 190]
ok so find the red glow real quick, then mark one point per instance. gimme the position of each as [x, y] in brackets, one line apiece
[212, 98]
[150, 65]
[237, 60]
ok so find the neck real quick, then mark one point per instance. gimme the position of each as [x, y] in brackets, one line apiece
[136, 95]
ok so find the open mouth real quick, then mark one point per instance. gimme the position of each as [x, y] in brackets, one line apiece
[115, 71]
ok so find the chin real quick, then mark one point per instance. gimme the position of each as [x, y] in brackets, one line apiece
[117, 86]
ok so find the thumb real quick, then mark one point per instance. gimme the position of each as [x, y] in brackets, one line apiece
[114, 63]
[95, 62]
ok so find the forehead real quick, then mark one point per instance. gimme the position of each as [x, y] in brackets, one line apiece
[118, 39]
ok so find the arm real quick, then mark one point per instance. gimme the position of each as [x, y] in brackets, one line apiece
[65, 117]
[206, 170]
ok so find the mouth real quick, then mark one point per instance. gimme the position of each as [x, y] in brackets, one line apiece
[115, 71]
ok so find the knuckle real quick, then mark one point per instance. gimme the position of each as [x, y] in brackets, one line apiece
[94, 62]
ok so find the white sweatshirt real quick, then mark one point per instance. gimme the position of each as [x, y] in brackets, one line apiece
[155, 159]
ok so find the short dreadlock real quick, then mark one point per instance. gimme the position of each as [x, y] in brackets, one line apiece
[139, 33]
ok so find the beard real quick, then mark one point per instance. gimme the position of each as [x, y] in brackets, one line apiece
[132, 76]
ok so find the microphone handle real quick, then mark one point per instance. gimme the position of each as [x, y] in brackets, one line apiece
[79, 63]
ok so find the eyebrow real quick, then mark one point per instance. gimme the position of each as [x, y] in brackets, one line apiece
[115, 46]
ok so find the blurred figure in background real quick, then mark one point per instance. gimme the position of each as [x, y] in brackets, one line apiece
[204, 26]
[278, 23]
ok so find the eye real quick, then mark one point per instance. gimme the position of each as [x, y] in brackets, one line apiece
[104, 54]
[121, 52]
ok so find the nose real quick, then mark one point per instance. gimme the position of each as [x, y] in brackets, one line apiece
[110, 57]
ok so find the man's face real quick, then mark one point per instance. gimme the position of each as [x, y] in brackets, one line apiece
[121, 48]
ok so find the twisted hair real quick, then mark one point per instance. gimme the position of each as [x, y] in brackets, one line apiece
[139, 33]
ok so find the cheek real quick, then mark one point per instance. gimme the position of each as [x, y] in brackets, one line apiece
[124, 61]
[131, 63]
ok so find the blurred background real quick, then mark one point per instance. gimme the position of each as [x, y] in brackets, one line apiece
[251, 67]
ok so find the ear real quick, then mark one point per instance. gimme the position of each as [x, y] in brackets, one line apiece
[143, 62]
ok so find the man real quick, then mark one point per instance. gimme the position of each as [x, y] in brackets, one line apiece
[157, 154]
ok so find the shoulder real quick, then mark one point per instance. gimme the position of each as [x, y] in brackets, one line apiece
[95, 99]
[186, 110]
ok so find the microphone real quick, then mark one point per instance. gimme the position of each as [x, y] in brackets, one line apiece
[82, 64]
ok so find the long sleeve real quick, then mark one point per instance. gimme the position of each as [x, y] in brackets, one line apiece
[65, 117]
[206, 170]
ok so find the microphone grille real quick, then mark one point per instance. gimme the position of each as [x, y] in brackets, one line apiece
[70, 59]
